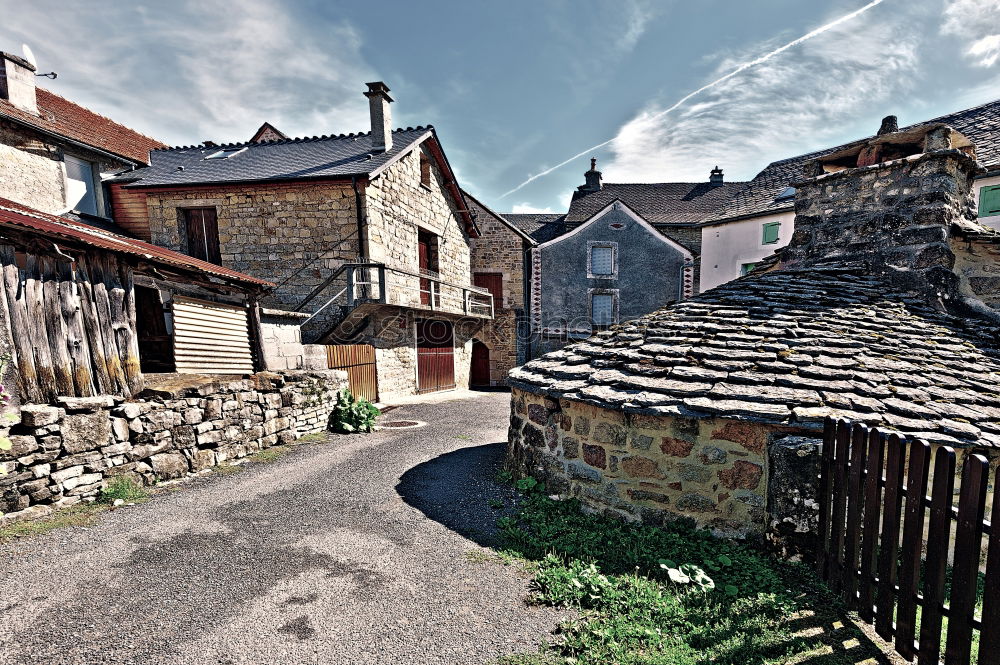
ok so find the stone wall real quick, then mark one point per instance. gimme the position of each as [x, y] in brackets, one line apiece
[500, 250]
[67, 452]
[645, 467]
[294, 234]
[281, 340]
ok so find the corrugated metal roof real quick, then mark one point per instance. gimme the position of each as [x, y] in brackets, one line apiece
[52, 225]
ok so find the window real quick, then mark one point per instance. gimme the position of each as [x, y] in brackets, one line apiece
[602, 309]
[989, 201]
[493, 282]
[425, 170]
[81, 186]
[601, 261]
[202, 233]
[771, 233]
[786, 194]
[746, 268]
[225, 153]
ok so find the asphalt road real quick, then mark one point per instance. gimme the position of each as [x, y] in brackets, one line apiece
[355, 550]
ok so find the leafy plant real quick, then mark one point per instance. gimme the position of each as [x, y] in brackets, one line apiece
[123, 488]
[352, 415]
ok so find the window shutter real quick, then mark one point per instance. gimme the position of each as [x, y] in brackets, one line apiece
[203, 235]
[493, 282]
[602, 308]
[771, 233]
[602, 261]
[989, 201]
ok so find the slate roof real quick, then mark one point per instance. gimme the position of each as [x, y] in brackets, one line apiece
[540, 227]
[59, 116]
[791, 347]
[981, 124]
[317, 157]
[657, 203]
[15, 214]
[480, 209]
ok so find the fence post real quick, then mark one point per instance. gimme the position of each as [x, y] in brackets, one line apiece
[383, 287]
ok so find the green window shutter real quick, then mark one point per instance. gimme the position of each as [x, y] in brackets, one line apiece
[770, 233]
[989, 201]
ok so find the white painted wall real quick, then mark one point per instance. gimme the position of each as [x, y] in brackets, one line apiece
[994, 221]
[726, 247]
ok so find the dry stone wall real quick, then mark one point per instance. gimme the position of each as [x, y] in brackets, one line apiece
[645, 467]
[65, 453]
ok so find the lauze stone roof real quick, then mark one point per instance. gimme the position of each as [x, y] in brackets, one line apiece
[657, 203]
[793, 347]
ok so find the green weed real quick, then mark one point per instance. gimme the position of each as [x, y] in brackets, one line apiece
[124, 488]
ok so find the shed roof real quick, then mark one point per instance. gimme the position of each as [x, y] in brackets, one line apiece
[57, 115]
[791, 347]
[981, 124]
[53, 226]
[662, 203]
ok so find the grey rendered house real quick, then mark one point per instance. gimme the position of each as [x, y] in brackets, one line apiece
[621, 251]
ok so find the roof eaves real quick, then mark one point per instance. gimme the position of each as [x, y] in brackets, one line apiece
[503, 220]
[76, 142]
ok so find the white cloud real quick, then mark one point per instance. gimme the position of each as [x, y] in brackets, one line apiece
[205, 69]
[796, 100]
[521, 208]
[978, 23]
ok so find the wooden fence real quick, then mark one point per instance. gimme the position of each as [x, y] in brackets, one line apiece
[872, 531]
[358, 360]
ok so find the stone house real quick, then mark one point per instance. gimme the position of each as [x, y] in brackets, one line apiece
[620, 251]
[500, 263]
[758, 219]
[368, 234]
[54, 154]
[689, 410]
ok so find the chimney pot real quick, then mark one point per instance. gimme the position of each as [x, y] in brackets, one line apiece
[381, 116]
[593, 178]
[715, 177]
[17, 82]
[890, 125]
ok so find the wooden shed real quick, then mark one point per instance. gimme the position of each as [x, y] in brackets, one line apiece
[88, 311]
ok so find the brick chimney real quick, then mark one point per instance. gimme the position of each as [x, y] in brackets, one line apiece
[894, 217]
[17, 82]
[592, 177]
[715, 177]
[378, 106]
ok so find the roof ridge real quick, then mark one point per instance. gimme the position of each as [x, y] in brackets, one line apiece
[100, 115]
[290, 140]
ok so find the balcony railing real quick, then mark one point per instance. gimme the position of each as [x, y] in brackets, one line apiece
[365, 283]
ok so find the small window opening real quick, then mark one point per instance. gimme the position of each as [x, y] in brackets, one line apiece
[602, 309]
[226, 153]
[602, 260]
[786, 194]
[746, 268]
[425, 170]
[771, 233]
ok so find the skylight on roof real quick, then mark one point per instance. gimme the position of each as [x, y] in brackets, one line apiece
[226, 153]
[788, 193]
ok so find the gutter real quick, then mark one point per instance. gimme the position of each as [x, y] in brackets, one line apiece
[78, 144]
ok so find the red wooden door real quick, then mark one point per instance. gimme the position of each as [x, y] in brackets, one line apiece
[435, 356]
[424, 257]
[480, 364]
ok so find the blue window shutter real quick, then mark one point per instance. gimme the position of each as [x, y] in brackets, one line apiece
[989, 201]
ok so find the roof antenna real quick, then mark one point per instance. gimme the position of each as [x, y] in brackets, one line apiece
[30, 57]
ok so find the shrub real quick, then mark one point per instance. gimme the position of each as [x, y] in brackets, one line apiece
[352, 415]
[124, 488]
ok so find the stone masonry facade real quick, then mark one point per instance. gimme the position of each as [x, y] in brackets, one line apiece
[66, 453]
[644, 467]
[500, 250]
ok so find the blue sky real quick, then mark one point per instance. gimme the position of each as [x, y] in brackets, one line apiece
[517, 87]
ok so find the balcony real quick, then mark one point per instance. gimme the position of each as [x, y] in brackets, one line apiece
[356, 290]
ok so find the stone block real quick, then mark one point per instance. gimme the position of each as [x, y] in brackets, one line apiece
[85, 404]
[742, 475]
[696, 503]
[641, 467]
[65, 474]
[85, 431]
[169, 465]
[675, 447]
[21, 445]
[538, 414]
[40, 415]
[595, 456]
[120, 429]
[202, 459]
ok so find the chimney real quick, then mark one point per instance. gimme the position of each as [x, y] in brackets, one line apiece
[889, 125]
[593, 178]
[378, 106]
[893, 218]
[17, 82]
[715, 177]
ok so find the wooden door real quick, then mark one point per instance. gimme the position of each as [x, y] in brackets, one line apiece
[435, 356]
[156, 346]
[203, 235]
[480, 364]
[358, 360]
[424, 257]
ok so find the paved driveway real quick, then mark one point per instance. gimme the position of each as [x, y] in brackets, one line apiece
[352, 551]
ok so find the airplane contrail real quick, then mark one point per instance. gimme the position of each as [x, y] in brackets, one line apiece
[746, 65]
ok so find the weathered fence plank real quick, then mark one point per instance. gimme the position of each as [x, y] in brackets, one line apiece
[935, 567]
[874, 462]
[889, 545]
[839, 503]
[913, 534]
[823, 544]
[859, 437]
[989, 640]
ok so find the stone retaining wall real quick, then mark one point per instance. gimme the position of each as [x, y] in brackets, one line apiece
[65, 453]
[646, 467]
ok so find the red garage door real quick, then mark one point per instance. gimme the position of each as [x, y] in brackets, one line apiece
[435, 356]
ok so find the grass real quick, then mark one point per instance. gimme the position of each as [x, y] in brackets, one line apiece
[81, 514]
[634, 606]
[124, 488]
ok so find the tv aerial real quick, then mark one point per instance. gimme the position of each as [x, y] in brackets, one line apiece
[30, 57]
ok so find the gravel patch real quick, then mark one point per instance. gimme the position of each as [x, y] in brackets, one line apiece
[350, 551]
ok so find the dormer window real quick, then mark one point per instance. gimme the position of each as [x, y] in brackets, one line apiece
[226, 153]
